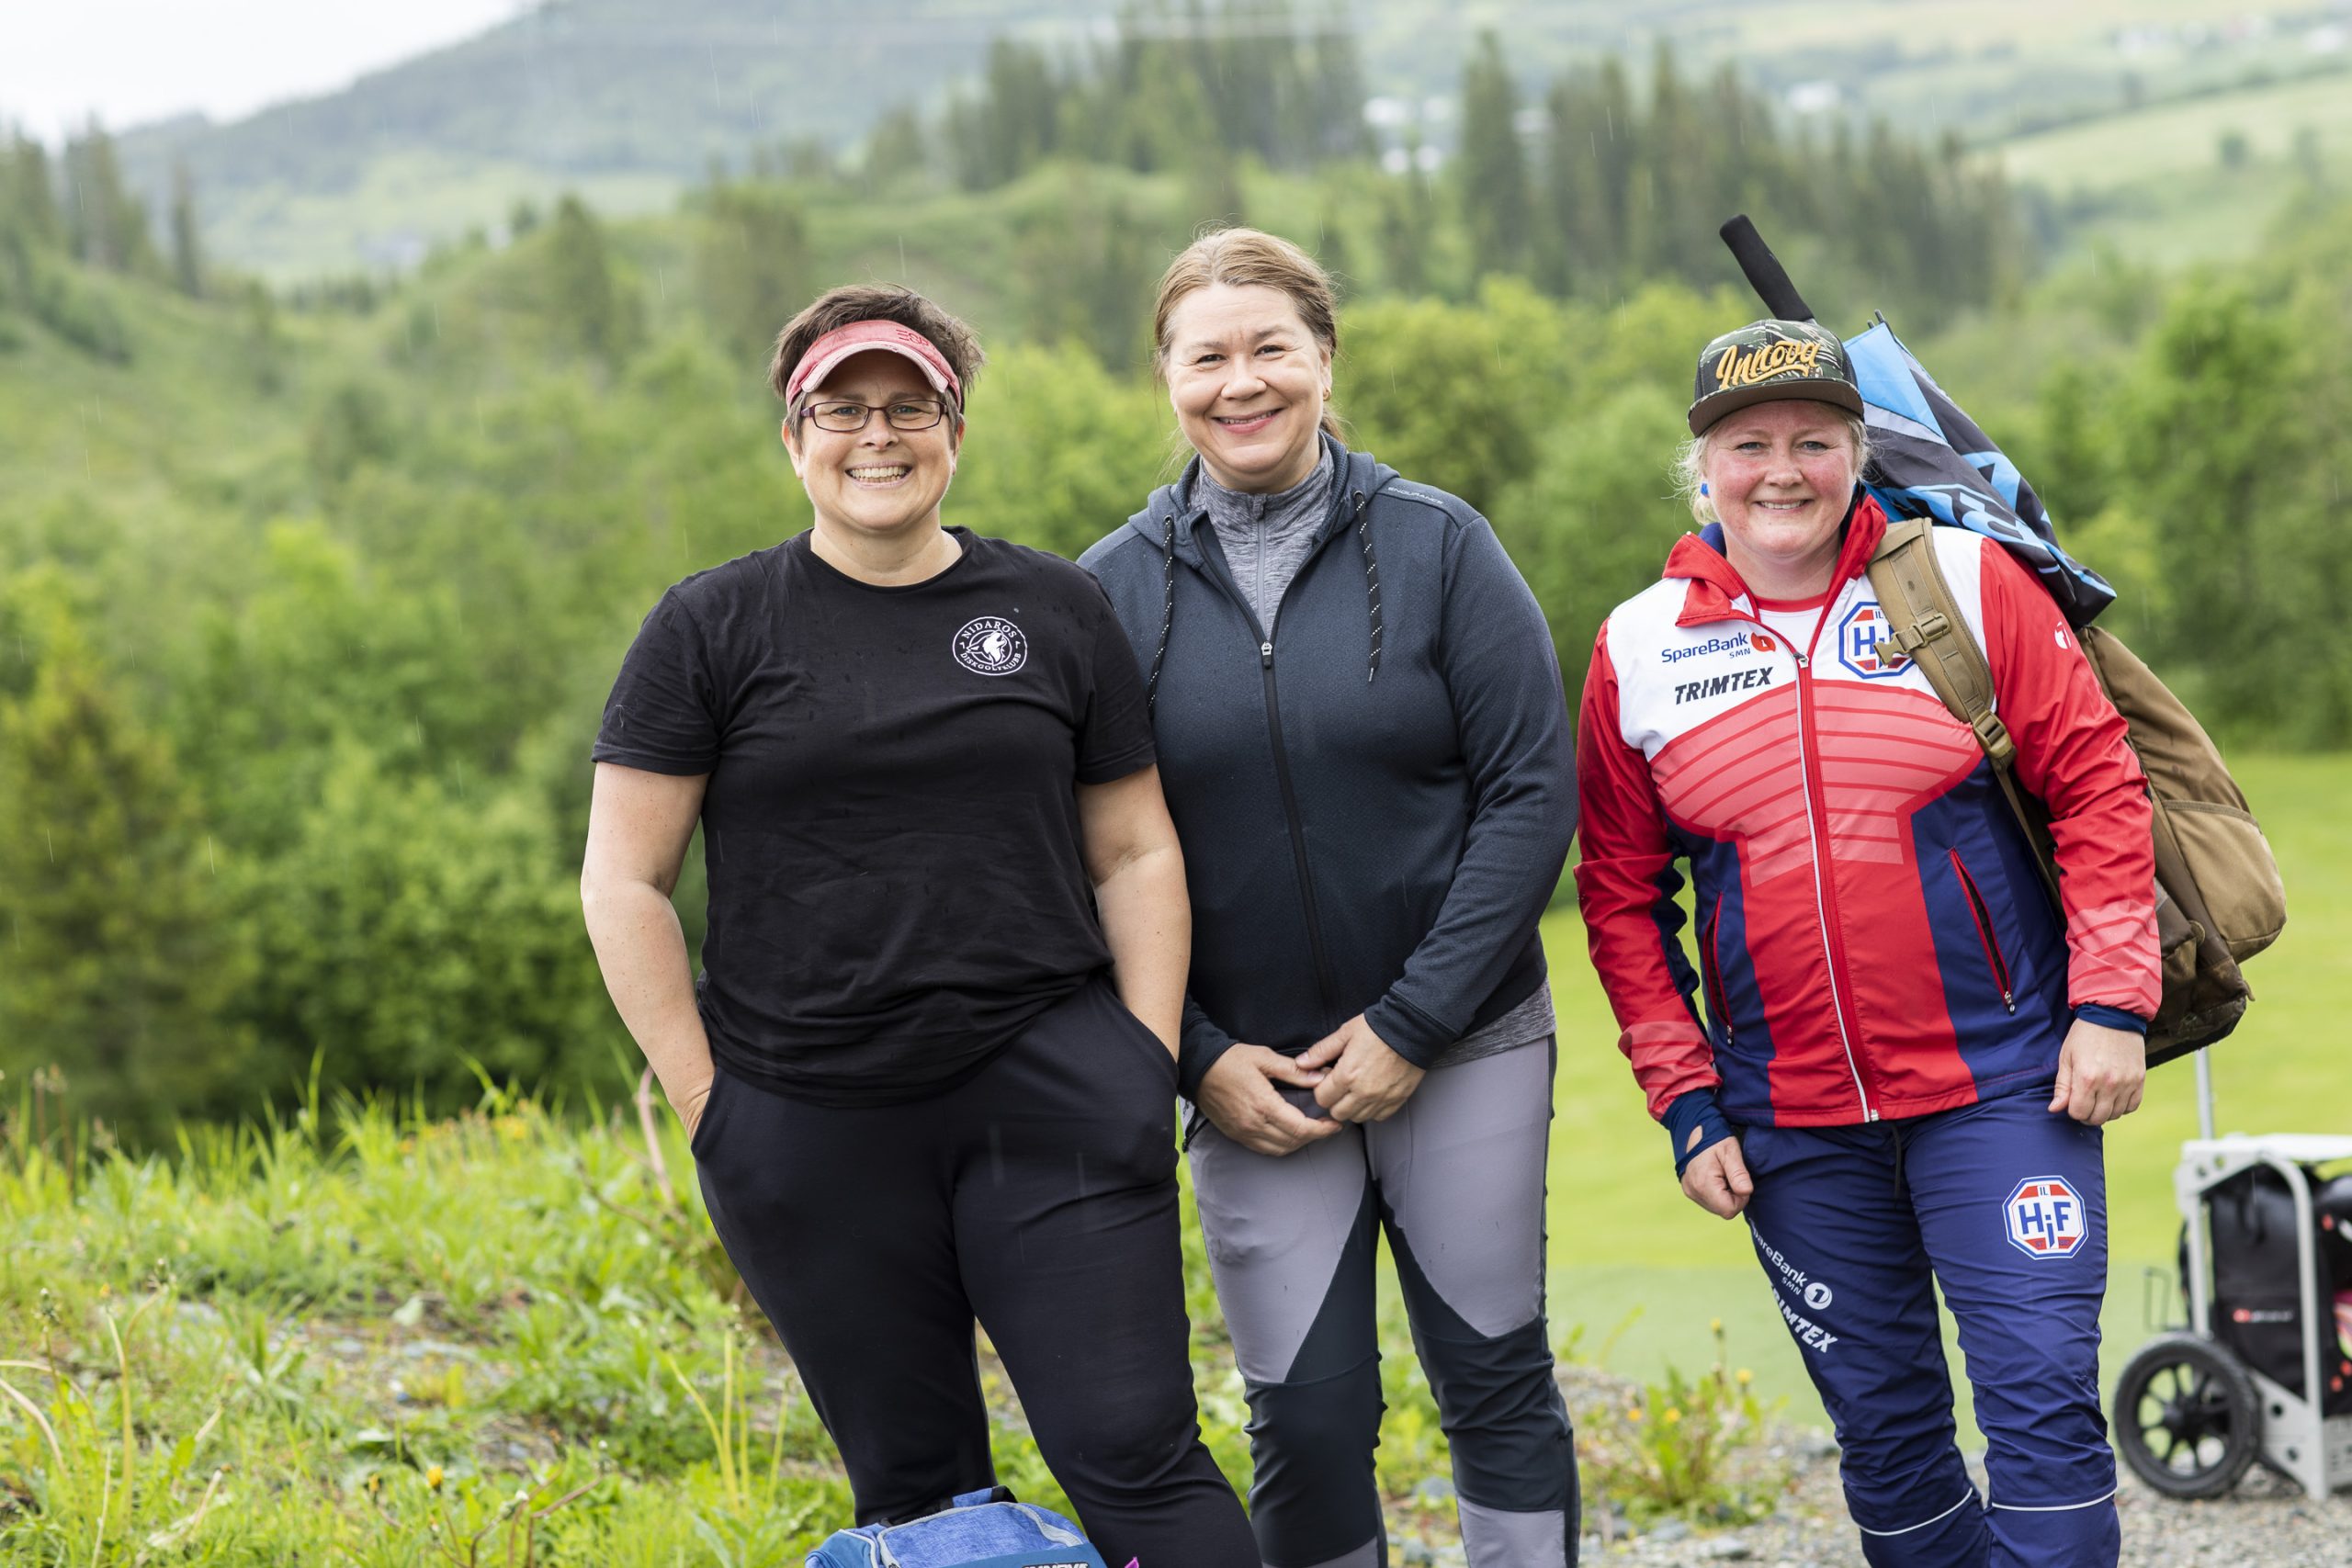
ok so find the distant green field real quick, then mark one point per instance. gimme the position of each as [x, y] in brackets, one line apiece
[2173, 138]
[1625, 1240]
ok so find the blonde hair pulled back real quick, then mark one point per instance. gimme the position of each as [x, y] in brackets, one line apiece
[1247, 258]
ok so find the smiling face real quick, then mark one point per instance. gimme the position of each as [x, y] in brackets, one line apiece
[1780, 476]
[879, 481]
[1248, 381]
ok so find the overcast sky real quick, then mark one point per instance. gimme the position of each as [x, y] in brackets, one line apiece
[132, 61]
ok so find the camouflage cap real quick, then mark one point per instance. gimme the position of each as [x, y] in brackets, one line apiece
[1768, 361]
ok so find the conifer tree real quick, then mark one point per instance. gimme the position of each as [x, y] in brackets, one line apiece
[587, 303]
[105, 225]
[28, 199]
[187, 255]
[751, 265]
[897, 146]
[1493, 168]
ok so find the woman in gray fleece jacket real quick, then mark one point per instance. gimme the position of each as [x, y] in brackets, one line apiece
[1364, 746]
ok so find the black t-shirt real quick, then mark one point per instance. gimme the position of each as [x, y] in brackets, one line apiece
[892, 820]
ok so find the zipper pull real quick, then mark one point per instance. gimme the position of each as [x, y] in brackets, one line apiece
[1266, 655]
[1802, 662]
[2008, 1001]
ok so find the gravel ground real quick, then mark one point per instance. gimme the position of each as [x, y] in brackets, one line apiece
[2267, 1522]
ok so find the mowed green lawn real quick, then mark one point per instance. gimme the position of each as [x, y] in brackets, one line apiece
[1639, 1271]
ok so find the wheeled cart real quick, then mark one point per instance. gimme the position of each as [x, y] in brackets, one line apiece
[2195, 1407]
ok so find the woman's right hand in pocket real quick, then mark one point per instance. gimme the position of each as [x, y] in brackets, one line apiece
[691, 1107]
[1717, 1179]
[1239, 1097]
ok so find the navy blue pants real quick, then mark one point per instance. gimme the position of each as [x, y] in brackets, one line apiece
[2004, 1205]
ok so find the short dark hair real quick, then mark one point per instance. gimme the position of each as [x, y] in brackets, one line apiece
[854, 303]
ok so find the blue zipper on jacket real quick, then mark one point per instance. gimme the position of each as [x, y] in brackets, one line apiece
[1222, 577]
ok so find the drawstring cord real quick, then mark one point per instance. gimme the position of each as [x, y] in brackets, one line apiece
[1168, 600]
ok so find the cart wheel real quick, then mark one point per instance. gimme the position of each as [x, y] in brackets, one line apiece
[2187, 1420]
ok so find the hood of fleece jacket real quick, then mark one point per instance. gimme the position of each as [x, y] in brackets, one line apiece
[1715, 592]
[1171, 506]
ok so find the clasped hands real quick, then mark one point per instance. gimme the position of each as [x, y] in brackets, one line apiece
[1354, 1075]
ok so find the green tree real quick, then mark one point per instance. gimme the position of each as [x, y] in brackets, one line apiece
[589, 307]
[1408, 217]
[121, 966]
[1435, 390]
[896, 147]
[188, 250]
[1061, 451]
[105, 225]
[752, 265]
[1592, 524]
[1492, 166]
[2224, 461]
[28, 199]
[406, 926]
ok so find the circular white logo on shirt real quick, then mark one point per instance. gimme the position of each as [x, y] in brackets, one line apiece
[992, 646]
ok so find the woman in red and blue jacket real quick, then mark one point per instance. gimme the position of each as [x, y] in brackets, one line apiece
[1893, 1054]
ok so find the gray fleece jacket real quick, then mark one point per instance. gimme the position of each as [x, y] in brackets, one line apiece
[1376, 801]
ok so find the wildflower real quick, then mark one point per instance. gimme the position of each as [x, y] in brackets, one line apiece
[1671, 1416]
[433, 1477]
[1744, 1376]
[1714, 1325]
[1633, 1412]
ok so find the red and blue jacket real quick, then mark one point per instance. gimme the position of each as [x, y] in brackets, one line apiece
[1873, 939]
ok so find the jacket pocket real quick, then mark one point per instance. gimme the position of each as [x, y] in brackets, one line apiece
[1711, 969]
[1994, 963]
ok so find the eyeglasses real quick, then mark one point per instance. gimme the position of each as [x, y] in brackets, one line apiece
[848, 419]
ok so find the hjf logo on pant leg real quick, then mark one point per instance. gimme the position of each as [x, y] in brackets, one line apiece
[2044, 1218]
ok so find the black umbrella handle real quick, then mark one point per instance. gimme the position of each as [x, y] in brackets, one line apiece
[1764, 272]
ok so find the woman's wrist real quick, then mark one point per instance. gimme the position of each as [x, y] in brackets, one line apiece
[1694, 1111]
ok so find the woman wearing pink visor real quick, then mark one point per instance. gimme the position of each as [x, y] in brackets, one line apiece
[926, 1082]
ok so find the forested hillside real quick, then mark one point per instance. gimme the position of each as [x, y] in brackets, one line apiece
[309, 599]
[627, 101]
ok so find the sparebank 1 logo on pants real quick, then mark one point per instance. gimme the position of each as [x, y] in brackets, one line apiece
[2045, 1218]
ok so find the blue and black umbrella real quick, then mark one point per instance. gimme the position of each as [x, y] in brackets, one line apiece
[1928, 458]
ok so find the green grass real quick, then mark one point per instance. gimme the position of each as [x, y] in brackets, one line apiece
[359, 1337]
[1624, 1241]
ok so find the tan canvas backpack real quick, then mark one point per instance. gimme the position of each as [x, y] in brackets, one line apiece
[2219, 897]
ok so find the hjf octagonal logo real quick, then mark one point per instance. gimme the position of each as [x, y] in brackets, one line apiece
[2045, 1218]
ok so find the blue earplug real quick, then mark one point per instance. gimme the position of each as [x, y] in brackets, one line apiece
[1703, 487]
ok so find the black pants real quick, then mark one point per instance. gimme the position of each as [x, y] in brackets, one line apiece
[1041, 1198]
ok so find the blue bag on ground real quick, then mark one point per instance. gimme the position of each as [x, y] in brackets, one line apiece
[978, 1529]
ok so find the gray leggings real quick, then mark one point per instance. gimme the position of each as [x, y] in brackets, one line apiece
[1456, 1179]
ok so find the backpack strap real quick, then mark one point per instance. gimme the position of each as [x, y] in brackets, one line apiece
[1924, 621]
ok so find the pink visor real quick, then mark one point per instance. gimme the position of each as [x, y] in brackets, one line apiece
[863, 337]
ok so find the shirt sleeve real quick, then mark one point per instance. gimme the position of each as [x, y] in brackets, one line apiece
[662, 715]
[1198, 1048]
[1114, 731]
[2072, 755]
[1503, 677]
[1625, 887]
